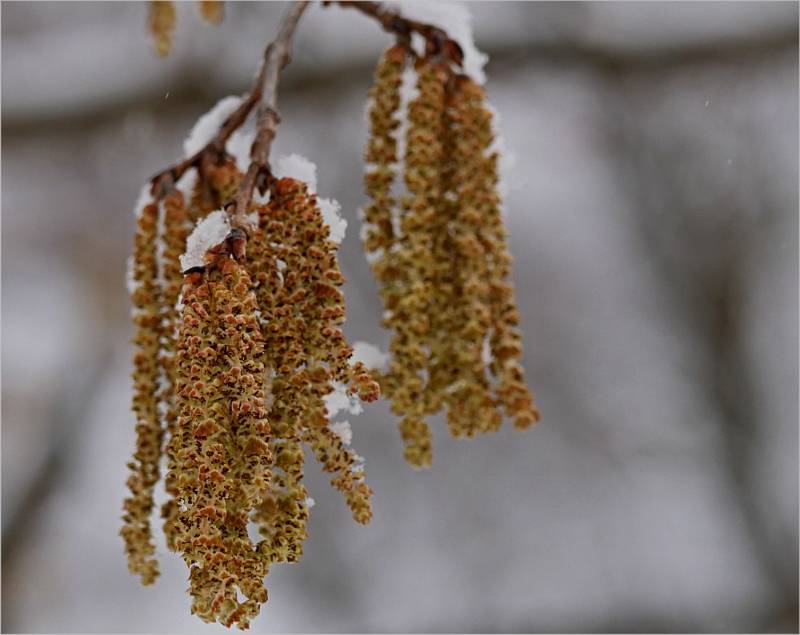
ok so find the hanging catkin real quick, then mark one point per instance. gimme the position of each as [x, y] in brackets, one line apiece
[240, 359]
[146, 298]
[505, 339]
[445, 275]
[407, 271]
[161, 23]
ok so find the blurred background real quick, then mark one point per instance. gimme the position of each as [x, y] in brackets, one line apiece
[653, 209]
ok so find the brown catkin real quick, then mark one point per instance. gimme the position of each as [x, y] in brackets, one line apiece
[146, 298]
[217, 467]
[444, 268]
[244, 349]
[241, 373]
[176, 228]
[408, 272]
[505, 339]
[212, 11]
[283, 515]
[470, 405]
[303, 334]
[162, 24]
[381, 152]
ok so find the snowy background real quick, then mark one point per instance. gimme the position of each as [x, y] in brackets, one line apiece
[653, 215]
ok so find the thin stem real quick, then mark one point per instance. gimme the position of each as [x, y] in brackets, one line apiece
[262, 93]
[276, 56]
[438, 42]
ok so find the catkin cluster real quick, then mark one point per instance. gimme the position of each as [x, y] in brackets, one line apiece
[440, 254]
[233, 362]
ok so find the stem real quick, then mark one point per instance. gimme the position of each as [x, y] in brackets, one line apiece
[262, 93]
[276, 57]
[438, 42]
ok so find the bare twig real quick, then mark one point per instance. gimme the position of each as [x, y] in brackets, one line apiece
[276, 57]
[264, 94]
[166, 179]
[438, 42]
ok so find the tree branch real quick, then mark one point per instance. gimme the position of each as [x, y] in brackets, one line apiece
[264, 94]
[276, 57]
[438, 42]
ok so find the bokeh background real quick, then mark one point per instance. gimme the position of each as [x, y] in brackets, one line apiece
[653, 209]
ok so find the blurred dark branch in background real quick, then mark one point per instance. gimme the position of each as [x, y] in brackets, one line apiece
[69, 410]
[708, 293]
[563, 52]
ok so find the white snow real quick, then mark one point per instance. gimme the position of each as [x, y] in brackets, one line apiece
[252, 219]
[297, 167]
[300, 168]
[330, 209]
[179, 306]
[209, 124]
[186, 183]
[358, 463]
[210, 231]
[339, 401]
[486, 351]
[144, 199]
[310, 502]
[507, 160]
[343, 430]
[239, 145]
[408, 93]
[130, 280]
[370, 355]
[456, 20]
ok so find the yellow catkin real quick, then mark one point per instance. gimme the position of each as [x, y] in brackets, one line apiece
[215, 187]
[219, 450]
[176, 228]
[162, 24]
[241, 373]
[505, 339]
[212, 11]
[200, 448]
[444, 268]
[381, 152]
[302, 310]
[245, 349]
[408, 272]
[136, 530]
[470, 405]
[283, 516]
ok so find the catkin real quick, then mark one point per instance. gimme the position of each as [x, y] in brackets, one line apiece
[208, 456]
[136, 530]
[212, 11]
[306, 309]
[407, 271]
[162, 24]
[381, 152]
[444, 265]
[233, 361]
